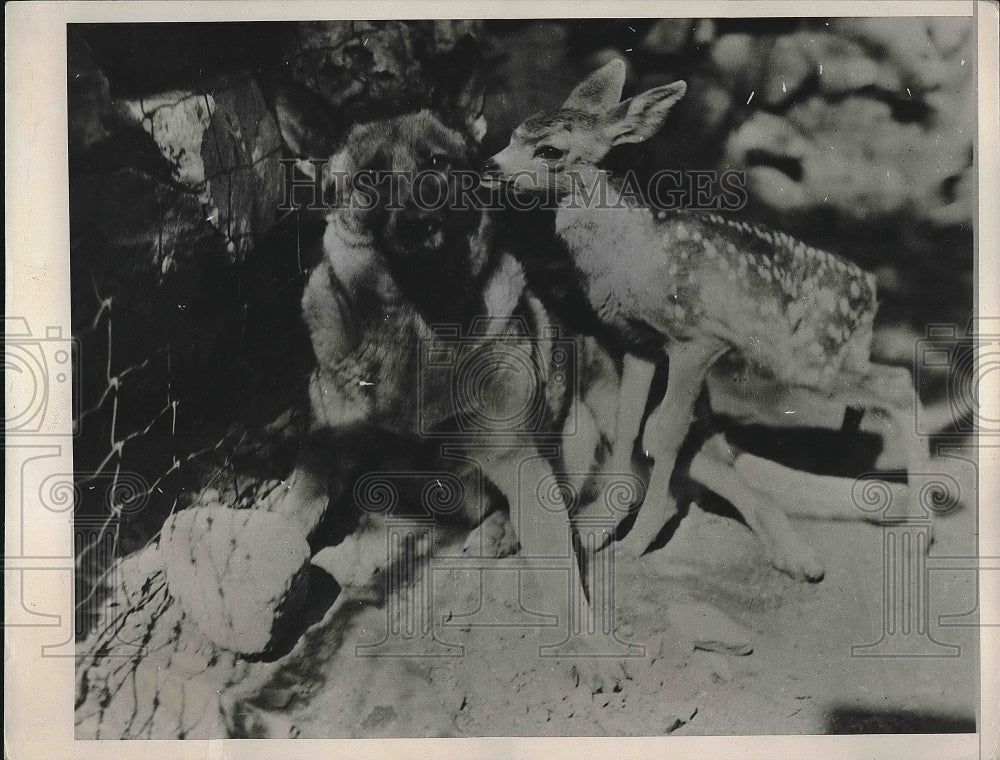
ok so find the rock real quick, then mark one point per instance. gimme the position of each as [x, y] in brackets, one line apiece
[240, 155]
[731, 53]
[739, 60]
[147, 672]
[884, 134]
[905, 43]
[715, 103]
[88, 95]
[177, 122]
[223, 142]
[754, 146]
[357, 68]
[241, 575]
[852, 157]
[708, 628]
[704, 31]
[789, 67]
[845, 65]
[949, 34]
[667, 36]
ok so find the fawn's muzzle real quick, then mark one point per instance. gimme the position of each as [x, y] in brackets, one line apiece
[490, 173]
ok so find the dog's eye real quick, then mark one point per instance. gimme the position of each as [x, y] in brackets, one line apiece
[549, 153]
[439, 161]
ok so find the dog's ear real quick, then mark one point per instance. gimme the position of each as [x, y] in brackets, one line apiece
[306, 123]
[458, 87]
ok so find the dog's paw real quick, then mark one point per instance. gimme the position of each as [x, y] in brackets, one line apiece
[245, 718]
[598, 675]
[353, 563]
[494, 537]
[596, 664]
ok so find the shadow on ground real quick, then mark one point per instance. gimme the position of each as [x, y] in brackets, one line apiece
[859, 720]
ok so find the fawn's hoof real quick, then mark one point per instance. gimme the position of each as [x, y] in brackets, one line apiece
[799, 561]
[631, 547]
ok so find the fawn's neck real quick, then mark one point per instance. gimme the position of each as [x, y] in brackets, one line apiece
[596, 218]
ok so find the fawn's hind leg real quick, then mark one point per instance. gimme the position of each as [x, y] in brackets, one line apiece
[665, 431]
[786, 549]
[891, 390]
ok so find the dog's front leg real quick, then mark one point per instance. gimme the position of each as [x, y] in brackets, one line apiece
[587, 645]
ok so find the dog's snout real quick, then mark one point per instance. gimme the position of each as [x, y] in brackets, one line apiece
[490, 167]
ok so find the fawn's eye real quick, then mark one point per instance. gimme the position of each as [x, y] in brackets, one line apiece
[549, 153]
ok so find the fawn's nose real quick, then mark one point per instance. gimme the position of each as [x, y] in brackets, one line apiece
[490, 167]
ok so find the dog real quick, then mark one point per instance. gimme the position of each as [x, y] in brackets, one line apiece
[392, 274]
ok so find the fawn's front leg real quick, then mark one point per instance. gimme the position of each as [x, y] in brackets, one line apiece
[637, 376]
[665, 431]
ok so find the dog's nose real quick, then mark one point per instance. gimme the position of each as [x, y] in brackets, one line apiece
[490, 167]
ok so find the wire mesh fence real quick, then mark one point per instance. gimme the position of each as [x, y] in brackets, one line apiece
[186, 281]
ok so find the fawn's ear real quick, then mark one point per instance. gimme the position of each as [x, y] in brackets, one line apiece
[601, 90]
[642, 116]
[459, 88]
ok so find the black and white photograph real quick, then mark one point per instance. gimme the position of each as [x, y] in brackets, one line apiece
[520, 377]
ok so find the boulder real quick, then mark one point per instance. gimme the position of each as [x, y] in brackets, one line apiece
[240, 574]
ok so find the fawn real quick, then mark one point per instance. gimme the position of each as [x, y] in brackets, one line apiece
[693, 287]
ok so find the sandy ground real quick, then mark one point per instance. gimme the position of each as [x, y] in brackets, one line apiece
[800, 677]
